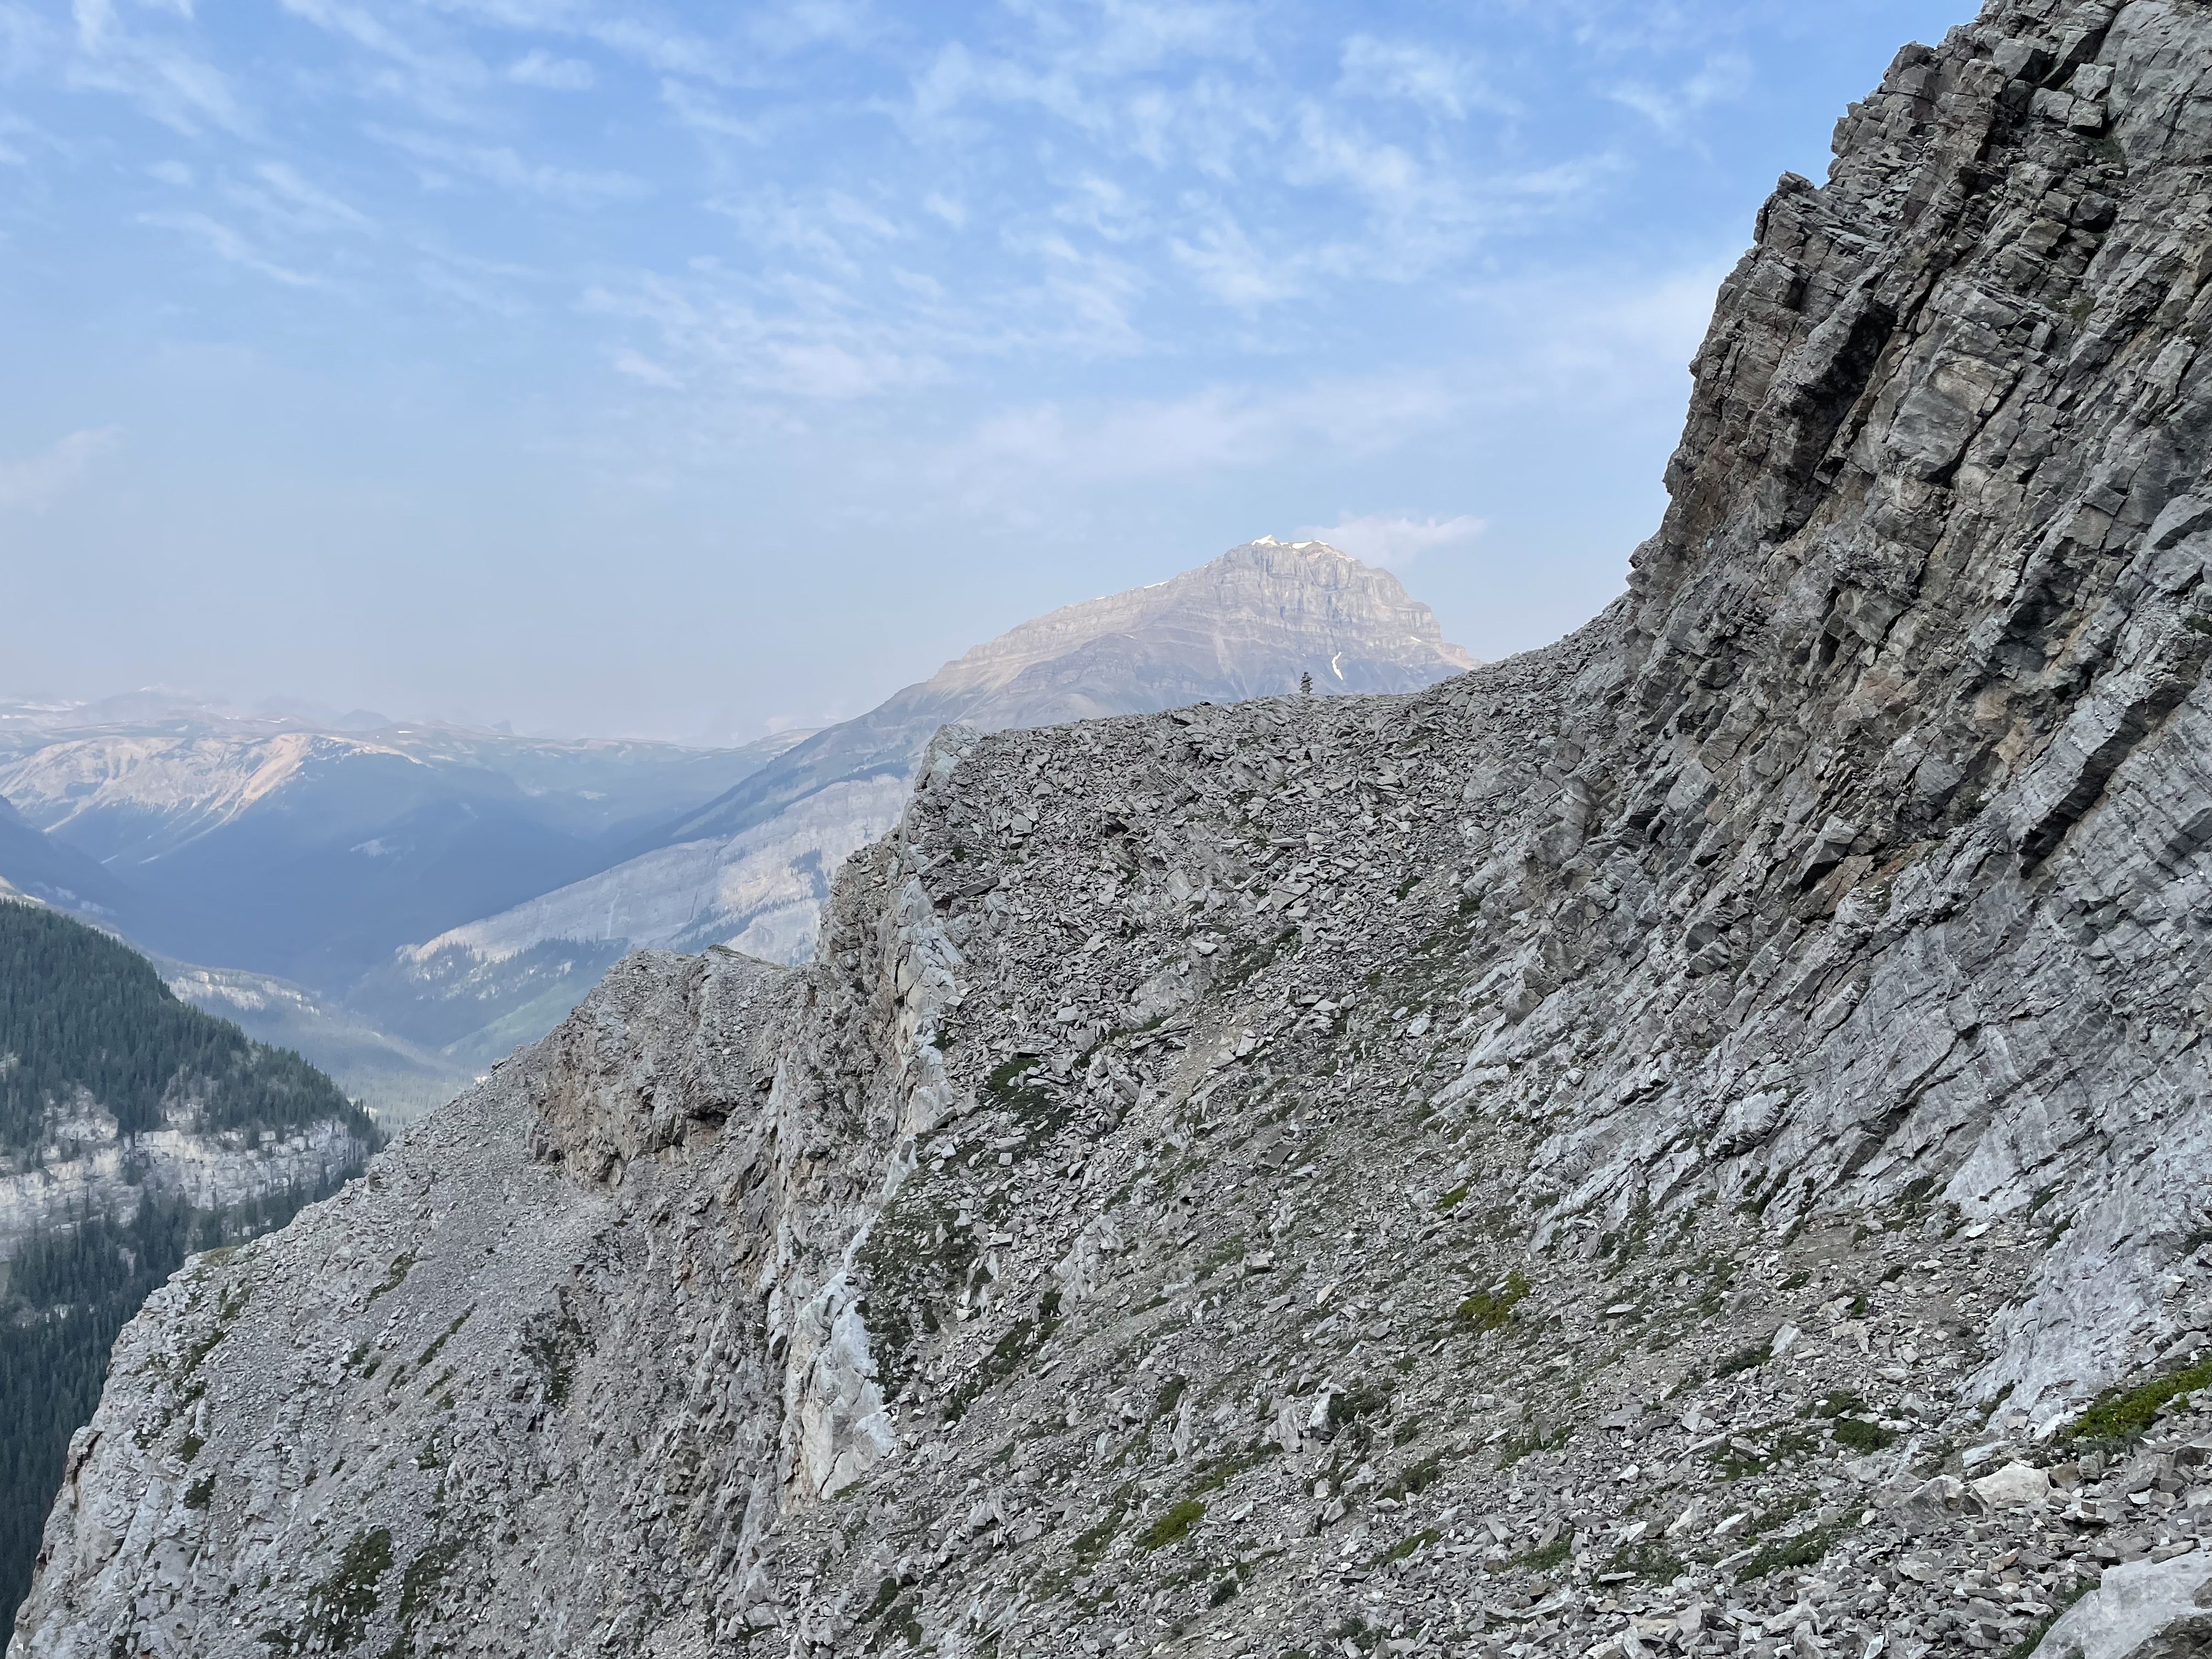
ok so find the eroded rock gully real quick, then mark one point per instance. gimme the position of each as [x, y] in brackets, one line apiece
[1647, 1145]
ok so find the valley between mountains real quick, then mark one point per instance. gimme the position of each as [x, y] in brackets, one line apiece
[1693, 1139]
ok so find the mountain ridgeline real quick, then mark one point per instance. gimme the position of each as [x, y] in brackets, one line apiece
[408, 903]
[1694, 1139]
[270, 863]
[257, 845]
[134, 1129]
[752, 868]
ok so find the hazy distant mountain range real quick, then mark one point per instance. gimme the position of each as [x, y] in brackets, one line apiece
[312, 854]
[404, 903]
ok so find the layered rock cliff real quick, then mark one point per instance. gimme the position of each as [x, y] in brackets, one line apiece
[1256, 1173]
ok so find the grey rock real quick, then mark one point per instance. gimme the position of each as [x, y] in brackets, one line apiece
[1932, 1503]
[87, 1166]
[1878, 800]
[2144, 1610]
[2016, 1483]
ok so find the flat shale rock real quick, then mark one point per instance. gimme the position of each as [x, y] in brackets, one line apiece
[1693, 1139]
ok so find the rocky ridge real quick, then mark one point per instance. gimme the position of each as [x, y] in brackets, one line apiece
[1693, 1139]
[751, 869]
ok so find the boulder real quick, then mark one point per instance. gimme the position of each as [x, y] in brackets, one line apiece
[2013, 1484]
[1932, 1502]
[2144, 1610]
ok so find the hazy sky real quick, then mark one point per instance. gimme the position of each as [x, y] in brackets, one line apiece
[687, 369]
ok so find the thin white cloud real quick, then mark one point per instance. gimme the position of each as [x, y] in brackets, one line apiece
[1552, 344]
[33, 485]
[1053, 445]
[1333, 150]
[166, 81]
[1443, 83]
[831, 228]
[20, 140]
[810, 347]
[173, 171]
[26, 40]
[1395, 540]
[799, 24]
[228, 245]
[642, 370]
[408, 63]
[494, 287]
[701, 113]
[1228, 266]
[501, 167]
[664, 51]
[1723, 78]
[542, 69]
[1134, 36]
[656, 46]
[305, 205]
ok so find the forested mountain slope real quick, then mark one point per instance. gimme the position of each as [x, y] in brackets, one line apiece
[133, 1128]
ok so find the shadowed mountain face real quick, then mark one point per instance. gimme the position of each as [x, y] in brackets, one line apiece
[33, 863]
[752, 868]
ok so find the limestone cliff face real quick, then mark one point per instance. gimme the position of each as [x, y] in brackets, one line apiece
[89, 1166]
[1218, 1157]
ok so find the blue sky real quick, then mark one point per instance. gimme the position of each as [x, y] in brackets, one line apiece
[689, 370]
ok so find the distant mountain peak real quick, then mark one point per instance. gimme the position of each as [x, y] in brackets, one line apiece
[1325, 604]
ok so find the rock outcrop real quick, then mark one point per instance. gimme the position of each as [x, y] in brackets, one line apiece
[89, 1166]
[1693, 1138]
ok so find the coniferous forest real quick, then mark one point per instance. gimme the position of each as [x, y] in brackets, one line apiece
[79, 1011]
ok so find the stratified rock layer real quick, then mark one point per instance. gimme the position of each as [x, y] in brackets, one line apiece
[1256, 1173]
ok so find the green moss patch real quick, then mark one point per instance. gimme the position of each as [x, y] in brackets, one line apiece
[1863, 1437]
[1789, 1554]
[1172, 1527]
[2125, 1413]
[1489, 1310]
[402, 1264]
[1410, 1544]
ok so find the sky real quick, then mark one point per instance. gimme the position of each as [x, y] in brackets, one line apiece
[696, 372]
